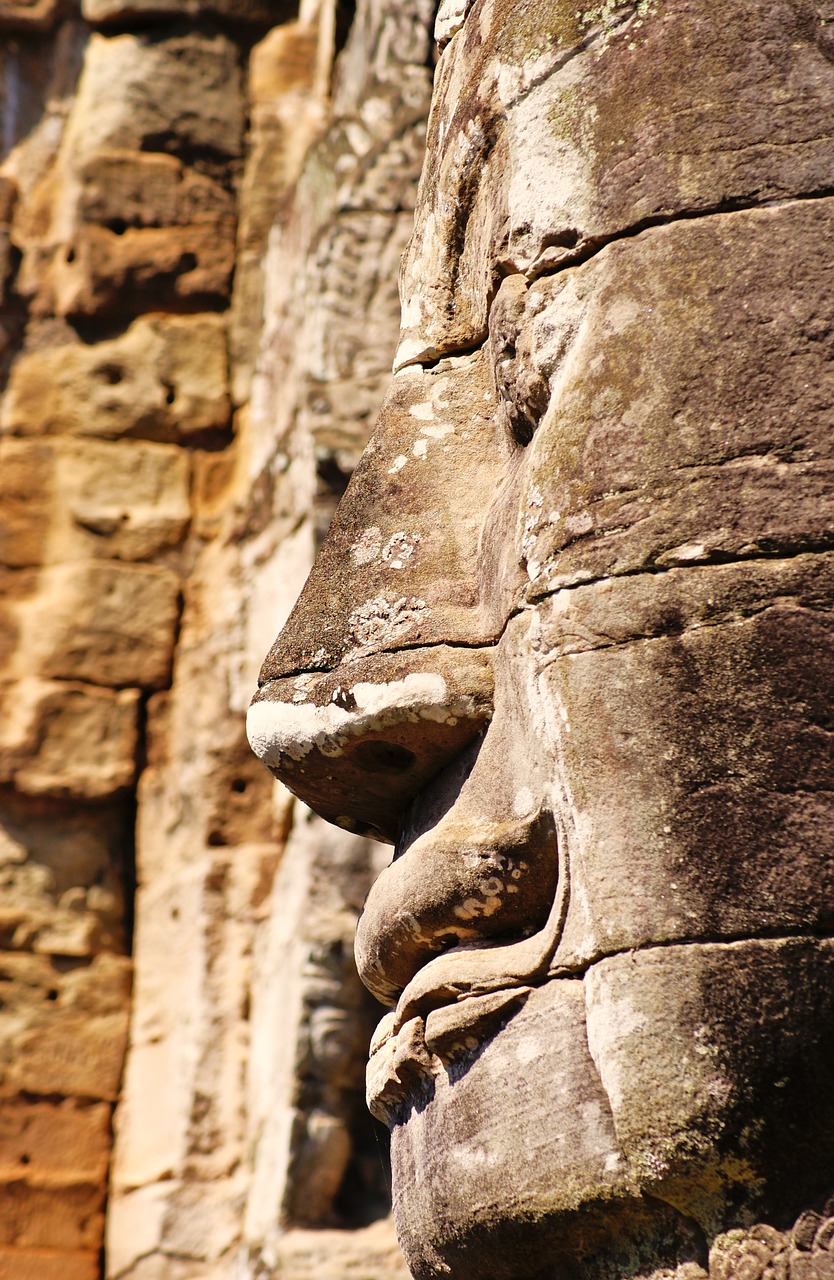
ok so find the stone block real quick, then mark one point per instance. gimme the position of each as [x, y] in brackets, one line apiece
[485, 1141]
[146, 268]
[29, 15]
[136, 213]
[603, 126]
[53, 1144]
[63, 1028]
[699, 761]
[128, 500]
[121, 190]
[33, 1216]
[163, 378]
[62, 875]
[107, 623]
[67, 739]
[158, 92]
[709, 1054]
[134, 1225]
[193, 939]
[148, 232]
[258, 12]
[323, 1254]
[26, 501]
[721, 446]
[48, 1264]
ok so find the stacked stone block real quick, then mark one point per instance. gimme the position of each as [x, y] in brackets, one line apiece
[202, 207]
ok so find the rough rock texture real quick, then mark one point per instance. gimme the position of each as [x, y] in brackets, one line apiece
[202, 209]
[601, 473]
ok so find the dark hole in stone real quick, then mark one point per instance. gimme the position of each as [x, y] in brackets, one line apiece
[239, 785]
[70, 255]
[170, 393]
[24, 1159]
[52, 995]
[383, 757]
[330, 476]
[345, 14]
[331, 482]
[112, 373]
[188, 261]
[117, 225]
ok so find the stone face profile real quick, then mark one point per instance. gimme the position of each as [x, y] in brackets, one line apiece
[567, 646]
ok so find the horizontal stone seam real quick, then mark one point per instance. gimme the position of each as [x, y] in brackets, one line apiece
[85, 1099]
[595, 244]
[384, 653]
[737, 462]
[741, 615]
[733, 940]
[808, 549]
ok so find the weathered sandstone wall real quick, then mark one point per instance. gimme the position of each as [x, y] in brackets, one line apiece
[203, 205]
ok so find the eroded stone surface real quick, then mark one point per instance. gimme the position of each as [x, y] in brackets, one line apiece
[146, 170]
[605, 928]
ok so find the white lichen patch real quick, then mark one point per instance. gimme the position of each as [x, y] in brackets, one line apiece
[611, 14]
[367, 547]
[424, 411]
[420, 447]
[398, 464]
[281, 731]
[395, 553]
[437, 430]
[381, 620]
[399, 549]
[473, 908]
[532, 527]
[523, 803]
[301, 685]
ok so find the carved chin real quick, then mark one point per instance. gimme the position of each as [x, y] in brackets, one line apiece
[507, 1140]
[627, 1110]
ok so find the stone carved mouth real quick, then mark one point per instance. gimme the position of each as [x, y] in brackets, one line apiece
[454, 1003]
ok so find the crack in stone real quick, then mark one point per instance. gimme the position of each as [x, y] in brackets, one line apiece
[804, 934]
[595, 244]
[822, 547]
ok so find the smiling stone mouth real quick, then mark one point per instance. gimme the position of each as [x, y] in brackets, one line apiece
[403, 1057]
[454, 1001]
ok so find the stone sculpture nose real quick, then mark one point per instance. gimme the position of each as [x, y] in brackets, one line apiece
[382, 674]
[358, 744]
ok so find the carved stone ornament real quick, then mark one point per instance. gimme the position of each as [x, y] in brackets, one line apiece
[568, 646]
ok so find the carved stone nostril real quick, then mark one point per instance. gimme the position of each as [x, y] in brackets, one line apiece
[383, 757]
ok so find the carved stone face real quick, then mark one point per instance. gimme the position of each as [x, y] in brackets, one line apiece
[568, 645]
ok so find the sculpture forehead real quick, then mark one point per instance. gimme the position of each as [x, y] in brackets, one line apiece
[555, 128]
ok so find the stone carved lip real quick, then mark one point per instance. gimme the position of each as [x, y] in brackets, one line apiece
[453, 1003]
